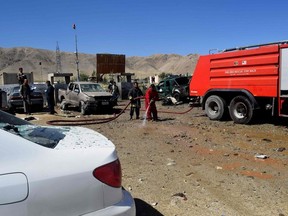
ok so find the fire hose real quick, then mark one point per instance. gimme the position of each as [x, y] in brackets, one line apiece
[79, 122]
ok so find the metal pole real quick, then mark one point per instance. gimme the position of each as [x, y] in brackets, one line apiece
[76, 53]
[40, 63]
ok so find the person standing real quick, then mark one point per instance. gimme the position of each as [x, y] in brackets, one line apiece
[50, 97]
[21, 76]
[135, 94]
[25, 93]
[150, 97]
[110, 86]
[115, 92]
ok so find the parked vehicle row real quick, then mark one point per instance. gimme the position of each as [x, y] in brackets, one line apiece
[15, 101]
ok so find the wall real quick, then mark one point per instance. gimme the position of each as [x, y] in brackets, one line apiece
[11, 78]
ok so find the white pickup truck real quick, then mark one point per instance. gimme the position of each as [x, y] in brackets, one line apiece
[90, 97]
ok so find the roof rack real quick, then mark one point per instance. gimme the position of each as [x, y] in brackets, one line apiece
[258, 45]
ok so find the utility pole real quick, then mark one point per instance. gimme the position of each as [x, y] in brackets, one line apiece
[76, 53]
[58, 59]
[40, 63]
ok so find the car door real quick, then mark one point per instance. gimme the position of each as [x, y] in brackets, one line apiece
[75, 94]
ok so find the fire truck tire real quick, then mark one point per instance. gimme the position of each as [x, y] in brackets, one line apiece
[215, 107]
[241, 110]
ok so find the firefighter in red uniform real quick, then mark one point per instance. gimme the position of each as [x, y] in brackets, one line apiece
[150, 97]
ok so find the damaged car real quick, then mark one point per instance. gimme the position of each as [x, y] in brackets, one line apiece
[89, 97]
[53, 171]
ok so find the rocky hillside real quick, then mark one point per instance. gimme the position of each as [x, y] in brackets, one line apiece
[29, 58]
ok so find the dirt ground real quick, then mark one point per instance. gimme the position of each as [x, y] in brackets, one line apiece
[186, 164]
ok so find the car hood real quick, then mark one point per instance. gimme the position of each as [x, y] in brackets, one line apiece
[59, 137]
[98, 94]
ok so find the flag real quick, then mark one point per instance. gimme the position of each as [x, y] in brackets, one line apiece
[74, 26]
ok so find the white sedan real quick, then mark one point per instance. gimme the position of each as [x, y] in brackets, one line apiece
[59, 171]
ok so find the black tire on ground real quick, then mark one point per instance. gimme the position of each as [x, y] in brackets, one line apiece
[215, 107]
[83, 108]
[241, 110]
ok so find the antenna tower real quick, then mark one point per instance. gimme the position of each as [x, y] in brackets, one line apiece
[58, 59]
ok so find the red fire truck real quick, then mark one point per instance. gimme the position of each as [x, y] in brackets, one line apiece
[243, 81]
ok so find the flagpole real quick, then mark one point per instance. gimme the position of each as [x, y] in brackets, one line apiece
[76, 53]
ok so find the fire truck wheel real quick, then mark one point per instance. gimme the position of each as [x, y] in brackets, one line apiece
[241, 110]
[215, 107]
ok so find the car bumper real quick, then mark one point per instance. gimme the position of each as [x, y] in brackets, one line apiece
[126, 207]
[19, 103]
[99, 104]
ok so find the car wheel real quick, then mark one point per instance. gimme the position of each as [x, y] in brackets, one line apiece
[176, 95]
[241, 110]
[63, 105]
[215, 107]
[83, 108]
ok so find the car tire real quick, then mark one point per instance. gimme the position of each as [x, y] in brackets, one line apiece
[241, 110]
[83, 108]
[63, 105]
[215, 107]
[176, 95]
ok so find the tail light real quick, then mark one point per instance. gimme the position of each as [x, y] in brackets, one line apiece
[109, 174]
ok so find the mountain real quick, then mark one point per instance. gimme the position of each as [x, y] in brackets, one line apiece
[29, 58]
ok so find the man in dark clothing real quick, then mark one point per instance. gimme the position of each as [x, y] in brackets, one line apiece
[135, 94]
[110, 86]
[115, 92]
[21, 76]
[50, 97]
[25, 93]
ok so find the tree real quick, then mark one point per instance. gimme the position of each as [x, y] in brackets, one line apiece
[162, 75]
[83, 77]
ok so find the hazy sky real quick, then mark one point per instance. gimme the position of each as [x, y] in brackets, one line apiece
[142, 27]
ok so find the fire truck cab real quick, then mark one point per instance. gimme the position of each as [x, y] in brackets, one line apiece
[242, 81]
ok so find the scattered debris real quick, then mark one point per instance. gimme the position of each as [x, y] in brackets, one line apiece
[281, 149]
[171, 162]
[30, 118]
[189, 174]
[180, 195]
[154, 203]
[267, 140]
[261, 156]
